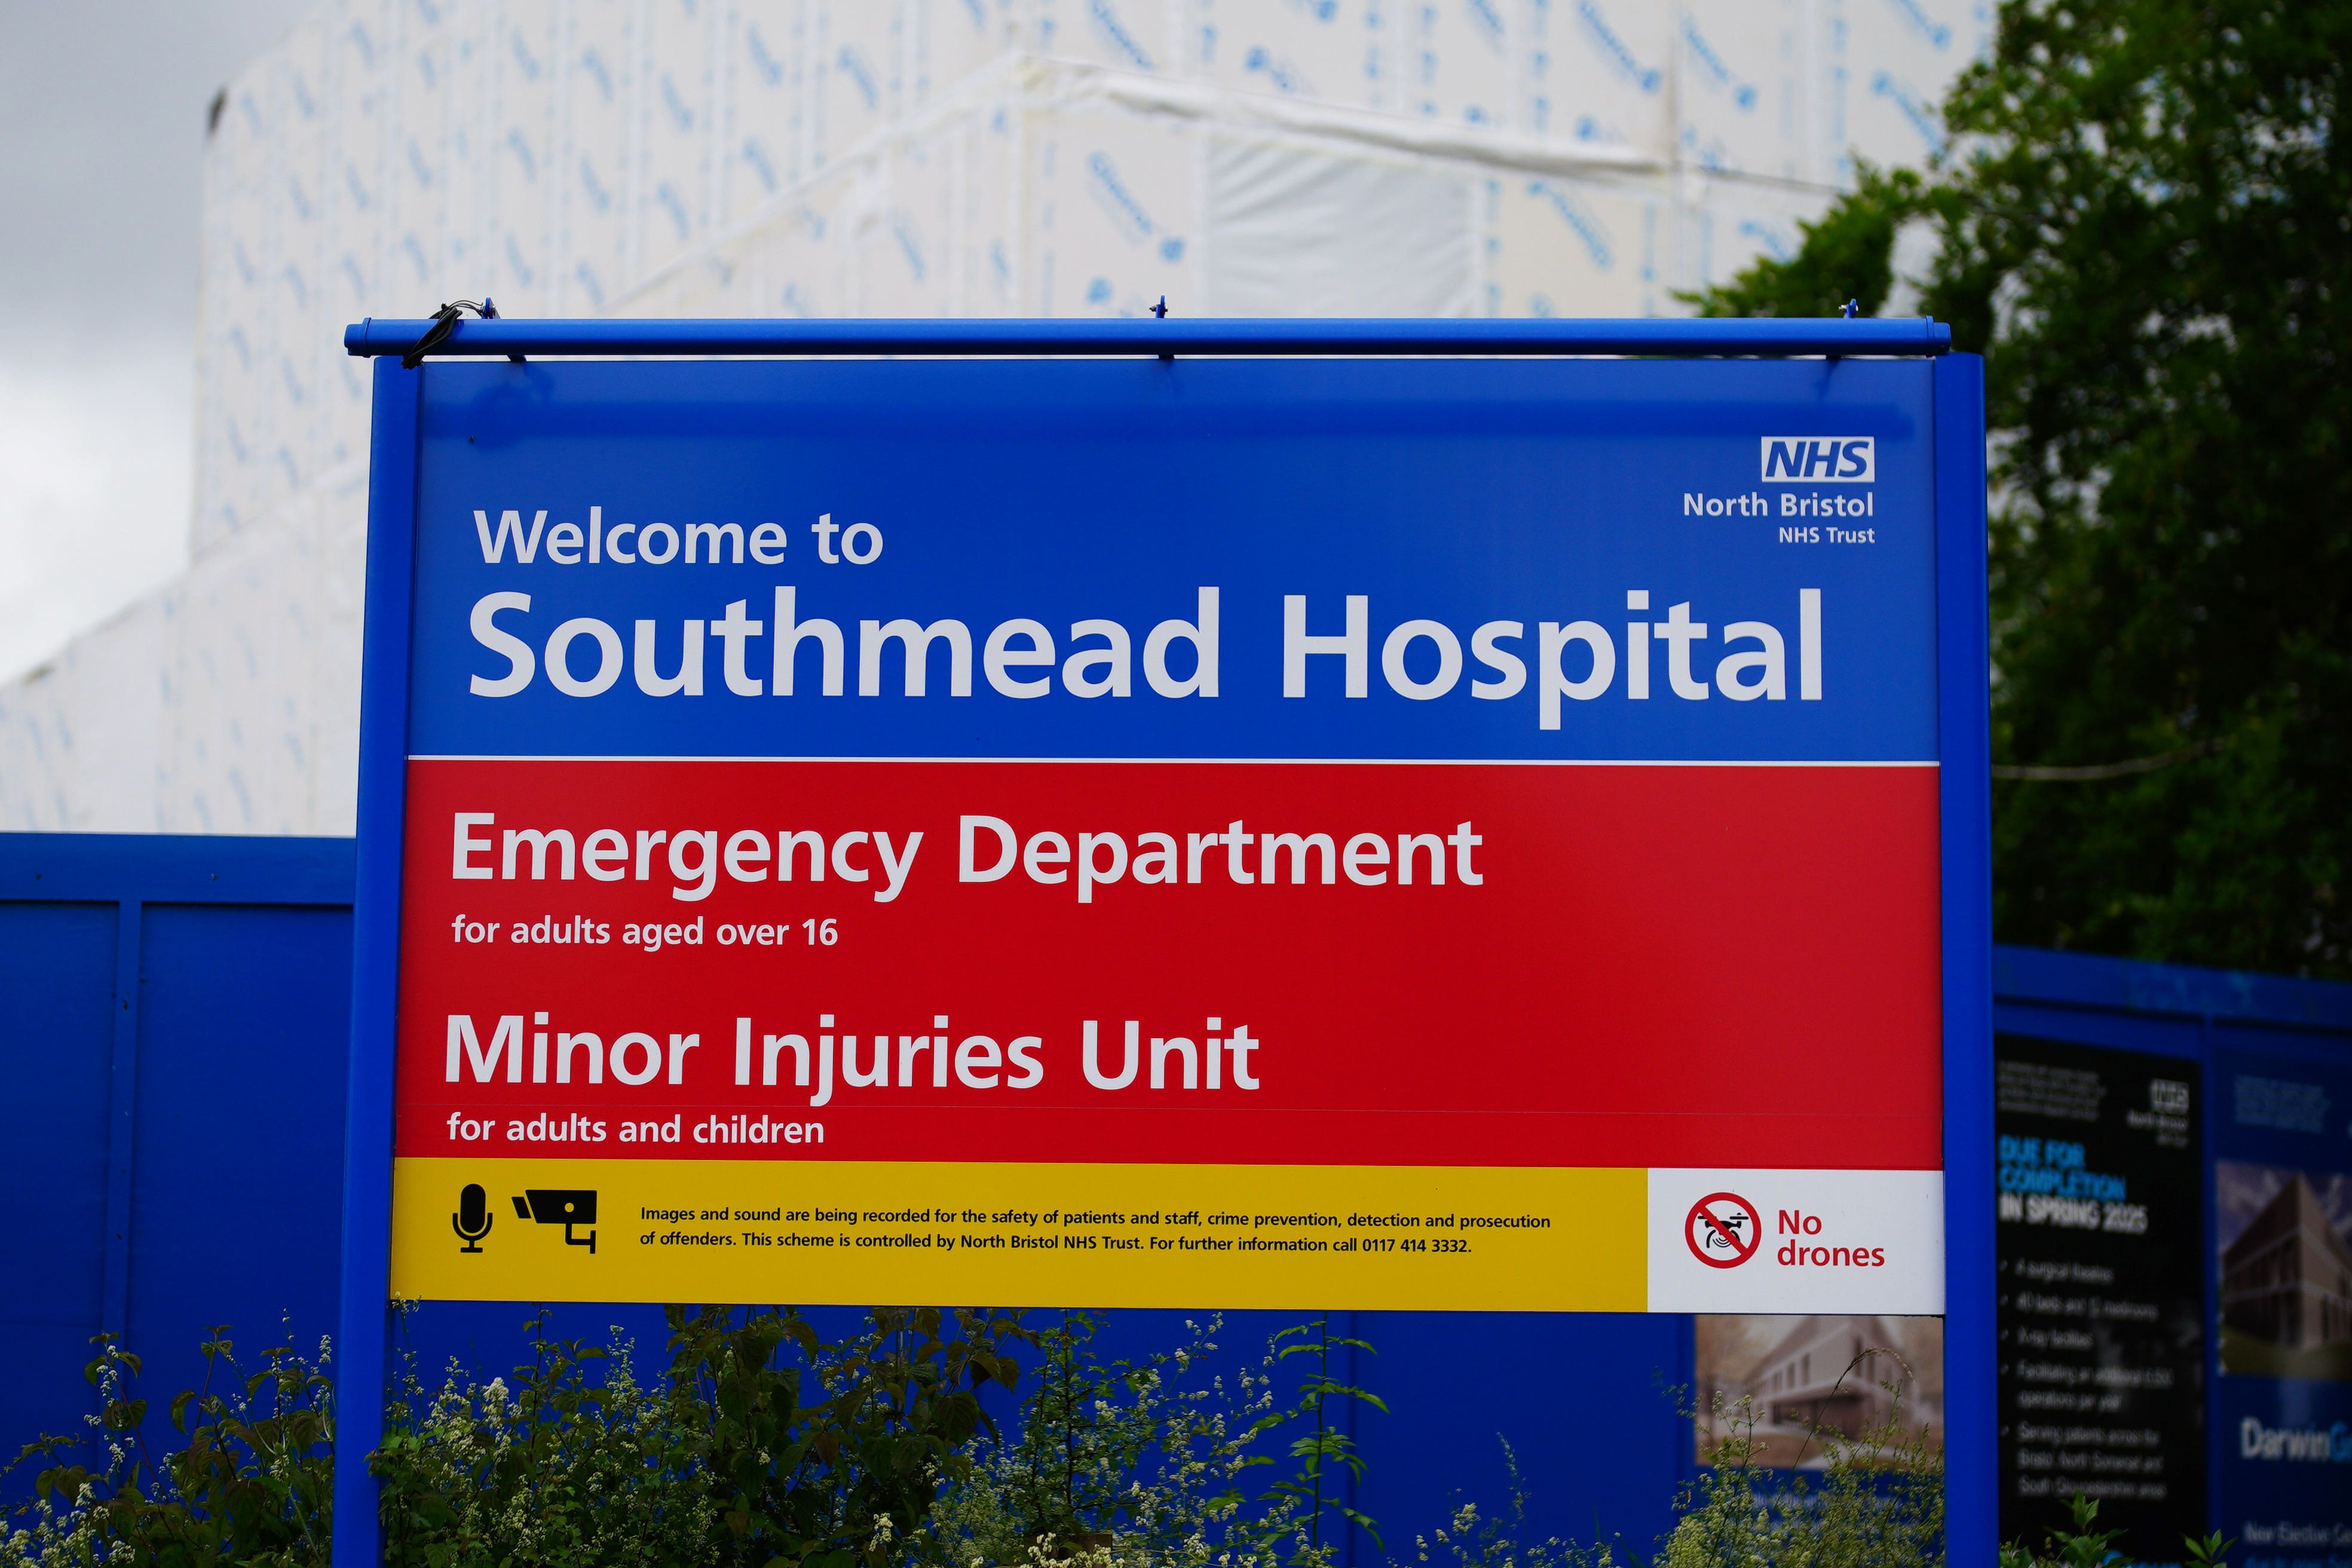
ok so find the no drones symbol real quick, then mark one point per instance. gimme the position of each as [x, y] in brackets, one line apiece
[1723, 1230]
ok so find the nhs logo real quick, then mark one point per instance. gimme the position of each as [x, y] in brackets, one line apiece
[1821, 459]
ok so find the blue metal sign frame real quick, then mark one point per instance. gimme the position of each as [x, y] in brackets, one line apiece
[499, 337]
[1962, 721]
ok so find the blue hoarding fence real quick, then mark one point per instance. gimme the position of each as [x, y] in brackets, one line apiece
[173, 1019]
[2040, 989]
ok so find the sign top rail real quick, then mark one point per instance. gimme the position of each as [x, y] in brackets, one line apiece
[1709, 338]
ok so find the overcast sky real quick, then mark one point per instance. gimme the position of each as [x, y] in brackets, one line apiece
[101, 142]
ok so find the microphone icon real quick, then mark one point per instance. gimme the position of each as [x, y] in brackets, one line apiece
[472, 1220]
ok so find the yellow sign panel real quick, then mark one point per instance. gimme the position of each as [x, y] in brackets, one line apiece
[1287, 1237]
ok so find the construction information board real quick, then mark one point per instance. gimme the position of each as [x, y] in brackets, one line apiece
[1244, 833]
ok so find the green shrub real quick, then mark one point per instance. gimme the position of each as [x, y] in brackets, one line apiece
[763, 1444]
[840, 1461]
[1879, 1501]
[2082, 1546]
[1164, 1461]
[1470, 1539]
[254, 1483]
[548, 1471]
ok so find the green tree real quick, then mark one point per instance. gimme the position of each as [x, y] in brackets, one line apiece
[2145, 224]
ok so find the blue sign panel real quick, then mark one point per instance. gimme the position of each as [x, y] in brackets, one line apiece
[1649, 512]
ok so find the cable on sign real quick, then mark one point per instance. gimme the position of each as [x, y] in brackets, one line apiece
[444, 321]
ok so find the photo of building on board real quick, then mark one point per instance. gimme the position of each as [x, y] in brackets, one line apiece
[2286, 1271]
[1809, 1380]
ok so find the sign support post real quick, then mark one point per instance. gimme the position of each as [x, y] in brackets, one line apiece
[363, 1323]
[1971, 1402]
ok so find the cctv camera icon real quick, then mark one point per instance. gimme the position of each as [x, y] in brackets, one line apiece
[566, 1207]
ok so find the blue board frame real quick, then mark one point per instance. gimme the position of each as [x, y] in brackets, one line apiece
[365, 1318]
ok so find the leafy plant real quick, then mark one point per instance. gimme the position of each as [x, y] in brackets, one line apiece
[2208, 1550]
[1164, 1461]
[1879, 1502]
[1064, 1486]
[828, 1454]
[1469, 1540]
[1325, 1452]
[252, 1483]
[549, 1470]
[765, 1444]
[839, 1460]
[2084, 1547]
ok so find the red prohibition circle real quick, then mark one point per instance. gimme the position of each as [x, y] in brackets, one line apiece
[1701, 1219]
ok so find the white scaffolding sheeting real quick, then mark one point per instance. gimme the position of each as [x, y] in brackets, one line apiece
[893, 158]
